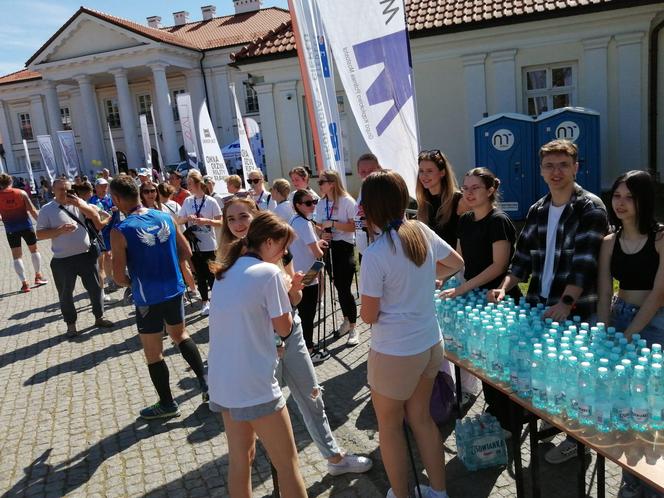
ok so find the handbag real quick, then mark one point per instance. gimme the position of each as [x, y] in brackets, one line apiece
[96, 242]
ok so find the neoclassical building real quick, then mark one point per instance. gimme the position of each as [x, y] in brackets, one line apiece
[470, 59]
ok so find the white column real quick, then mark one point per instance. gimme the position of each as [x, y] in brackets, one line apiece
[269, 130]
[475, 84]
[289, 119]
[630, 97]
[128, 119]
[595, 91]
[37, 116]
[504, 69]
[94, 143]
[5, 134]
[223, 104]
[164, 112]
[196, 89]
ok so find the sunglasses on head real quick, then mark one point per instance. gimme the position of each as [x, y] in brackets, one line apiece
[254, 181]
[310, 203]
[150, 191]
[430, 153]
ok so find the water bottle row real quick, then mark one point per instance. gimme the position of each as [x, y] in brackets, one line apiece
[591, 374]
[480, 442]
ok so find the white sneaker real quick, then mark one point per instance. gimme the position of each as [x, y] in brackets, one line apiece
[350, 464]
[353, 338]
[319, 357]
[343, 330]
[107, 298]
[205, 311]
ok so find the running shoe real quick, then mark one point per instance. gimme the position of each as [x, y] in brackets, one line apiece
[350, 464]
[107, 298]
[343, 330]
[563, 452]
[160, 411]
[71, 330]
[353, 338]
[318, 357]
[39, 280]
[25, 287]
[205, 311]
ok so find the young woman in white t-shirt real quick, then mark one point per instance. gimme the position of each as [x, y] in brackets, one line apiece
[296, 368]
[397, 281]
[280, 192]
[335, 215]
[250, 302]
[262, 198]
[300, 180]
[202, 214]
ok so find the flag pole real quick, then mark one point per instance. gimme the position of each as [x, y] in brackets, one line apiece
[308, 96]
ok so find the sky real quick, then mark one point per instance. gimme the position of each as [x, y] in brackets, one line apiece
[27, 24]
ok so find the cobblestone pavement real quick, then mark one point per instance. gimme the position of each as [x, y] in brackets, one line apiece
[69, 426]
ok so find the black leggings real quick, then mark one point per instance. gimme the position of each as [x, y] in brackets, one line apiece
[342, 269]
[307, 311]
[204, 277]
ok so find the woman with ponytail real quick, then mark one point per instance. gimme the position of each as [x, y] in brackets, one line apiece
[250, 302]
[397, 280]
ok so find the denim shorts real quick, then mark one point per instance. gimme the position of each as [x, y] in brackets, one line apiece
[249, 413]
[622, 314]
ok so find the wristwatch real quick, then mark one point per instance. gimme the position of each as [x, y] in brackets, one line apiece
[567, 300]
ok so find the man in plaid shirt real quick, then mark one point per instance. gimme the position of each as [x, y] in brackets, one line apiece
[559, 249]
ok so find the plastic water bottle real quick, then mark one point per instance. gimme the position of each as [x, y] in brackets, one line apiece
[656, 396]
[523, 372]
[586, 393]
[572, 387]
[552, 382]
[538, 379]
[603, 406]
[460, 334]
[621, 412]
[639, 399]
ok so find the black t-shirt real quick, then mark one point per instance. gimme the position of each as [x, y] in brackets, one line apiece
[477, 238]
[446, 231]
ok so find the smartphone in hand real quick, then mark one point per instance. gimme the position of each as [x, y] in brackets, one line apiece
[312, 272]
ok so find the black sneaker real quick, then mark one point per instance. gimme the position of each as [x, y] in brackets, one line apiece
[160, 411]
[320, 356]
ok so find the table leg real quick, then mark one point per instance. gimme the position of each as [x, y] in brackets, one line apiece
[457, 374]
[515, 427]
[601, 477]
[534, 456]
[580, 470]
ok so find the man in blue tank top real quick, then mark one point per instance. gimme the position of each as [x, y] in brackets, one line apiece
[148, 245]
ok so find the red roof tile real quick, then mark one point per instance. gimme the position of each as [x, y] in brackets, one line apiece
[22, 75]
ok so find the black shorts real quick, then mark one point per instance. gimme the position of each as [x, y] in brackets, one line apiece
[151, 319]
[28, 235]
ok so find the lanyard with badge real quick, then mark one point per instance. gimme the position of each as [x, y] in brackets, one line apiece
[197, 210]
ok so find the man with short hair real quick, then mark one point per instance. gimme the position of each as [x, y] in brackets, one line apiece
[150, 247]
[175, 179]
[14, 208]
[63, 221]
[558, 249]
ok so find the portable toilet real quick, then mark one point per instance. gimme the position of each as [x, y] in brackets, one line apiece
[504, 143]
[580, 126]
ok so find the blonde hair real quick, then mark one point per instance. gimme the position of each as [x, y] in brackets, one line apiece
[234, 181]
[334, 178]
[282, 186]
[448, 187]
[196, 176]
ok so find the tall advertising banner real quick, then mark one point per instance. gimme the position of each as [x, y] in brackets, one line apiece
[212, 157]
[28, 166]
[69, 153]
[188, 126]
[372, 57]
[248, 162]
[48, 156]
[256, 142]
[145, 136]
[316, 69]
[116, 166]
[162, 166]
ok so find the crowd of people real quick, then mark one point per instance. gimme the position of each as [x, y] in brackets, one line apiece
[256, 260]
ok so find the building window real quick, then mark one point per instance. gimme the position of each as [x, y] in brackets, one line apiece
[250, 99]
[65, 118]
[25, 126]
[174, 103]
[112, 113]
[549, 87]
[144, 104]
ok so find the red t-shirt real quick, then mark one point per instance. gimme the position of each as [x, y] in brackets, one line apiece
[181, 196]
[14, 210]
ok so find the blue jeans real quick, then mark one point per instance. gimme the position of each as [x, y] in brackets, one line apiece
[296, 371]
[622, 314]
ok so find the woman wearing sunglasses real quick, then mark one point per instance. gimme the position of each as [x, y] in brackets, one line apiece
[150, 196]
[335, 214]
[306, 249]
[262, 198]
[295, 366]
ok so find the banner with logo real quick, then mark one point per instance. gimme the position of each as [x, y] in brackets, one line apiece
[256, 143]
[28, 167]
[316, 69]
[70, 158]
[162, 166]
[372, 56]
[188, 126]
[248, 162]
[116, 167]
[212, 156]
[145, 138]
[48, 156]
